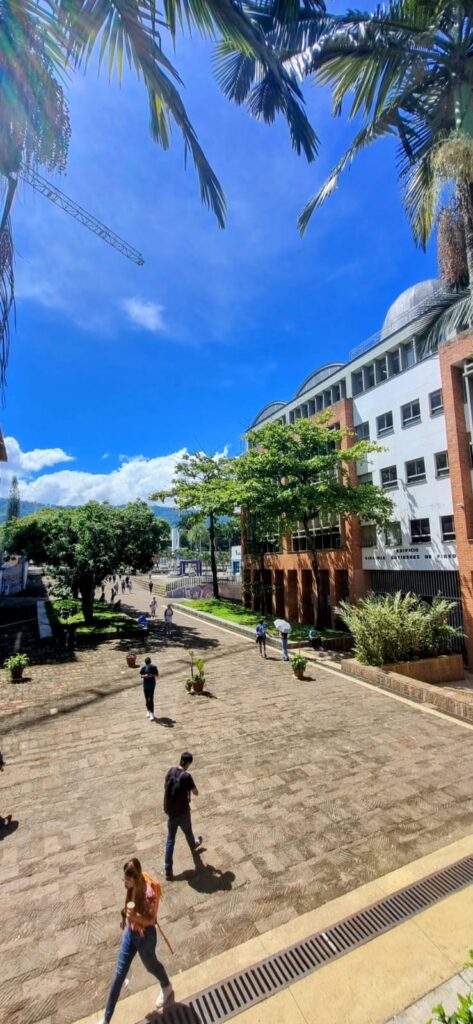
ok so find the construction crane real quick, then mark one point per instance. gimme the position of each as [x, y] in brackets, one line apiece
[74, 210]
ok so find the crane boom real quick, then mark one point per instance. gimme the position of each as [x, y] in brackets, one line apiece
[74, 210]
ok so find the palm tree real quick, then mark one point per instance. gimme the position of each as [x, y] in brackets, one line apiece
[43, 41]
[408, 71]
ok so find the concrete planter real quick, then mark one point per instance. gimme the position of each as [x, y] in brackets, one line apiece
[440, 671]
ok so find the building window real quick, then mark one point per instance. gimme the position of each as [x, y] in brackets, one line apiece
[436, 402]
[389, 477]
[369, 377]
[448, 527]
[384, 423]
[420, 531]
[410, 413]
[362, 431]
[327, 399]
[326, 533]
[441, 464]
[297, 413]
[381, 369]
[393, 535]
[394, 363]
[415, 470]
[311, 407]
[357, 382]
[408, 355]
[368, 535]
[319, 402]
[336, 393]
[365, 478]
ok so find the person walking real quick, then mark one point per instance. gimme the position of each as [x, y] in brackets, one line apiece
[150, 586]
[123, 586]
[168, 614]
[261, 630]
[149, 673]
[178, 786]
[138, 924]
[285, 655]
[152, 607]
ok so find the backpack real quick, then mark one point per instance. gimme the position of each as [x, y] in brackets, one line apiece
[155, 886]
[171, 790]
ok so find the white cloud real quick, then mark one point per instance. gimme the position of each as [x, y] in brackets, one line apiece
[25, 463]
[136, 478]
[145, 314]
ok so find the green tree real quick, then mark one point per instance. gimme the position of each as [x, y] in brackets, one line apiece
[14, 502]
[41, 44]
[203, 485]
[292, 473]
[82, 546]
[199, 537]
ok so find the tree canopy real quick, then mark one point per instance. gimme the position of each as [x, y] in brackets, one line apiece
[82, 546]
[293, 474]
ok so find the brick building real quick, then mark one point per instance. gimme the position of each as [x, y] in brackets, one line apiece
[416, 400]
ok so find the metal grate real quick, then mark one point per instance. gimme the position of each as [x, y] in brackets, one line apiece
[230, 997]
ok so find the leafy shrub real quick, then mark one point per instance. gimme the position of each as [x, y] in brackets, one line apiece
[298, 662]
[398, 628]
[464, 1011]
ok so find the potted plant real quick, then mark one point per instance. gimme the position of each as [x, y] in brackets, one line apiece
[196, 680]
[298, 664]
[131, 659]
[16, 664]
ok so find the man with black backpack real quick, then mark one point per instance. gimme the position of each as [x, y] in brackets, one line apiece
[178, 786]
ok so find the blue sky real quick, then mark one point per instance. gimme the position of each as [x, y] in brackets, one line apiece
[118, 368]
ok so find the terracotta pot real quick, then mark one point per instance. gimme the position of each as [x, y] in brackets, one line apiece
[298, 672]
[131, 660]
[197, 686]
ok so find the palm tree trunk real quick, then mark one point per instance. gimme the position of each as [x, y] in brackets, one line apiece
[465, 194]
[213, 560]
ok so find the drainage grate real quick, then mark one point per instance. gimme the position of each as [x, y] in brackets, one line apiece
[233, 995]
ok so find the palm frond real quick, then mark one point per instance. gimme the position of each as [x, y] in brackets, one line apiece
[421, 193]
[7, 299]
[374, 130]
[458, 316]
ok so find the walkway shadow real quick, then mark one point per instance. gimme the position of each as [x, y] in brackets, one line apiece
[168, 723]
[206, 878]
[8, 826]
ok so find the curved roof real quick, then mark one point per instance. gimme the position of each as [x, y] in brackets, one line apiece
[316, 377]
[410, 305]
[267, 411]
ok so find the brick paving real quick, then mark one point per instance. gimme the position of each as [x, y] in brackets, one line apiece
[307, 791]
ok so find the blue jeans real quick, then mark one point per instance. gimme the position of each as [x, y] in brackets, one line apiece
[145, 946]
[284, 646]
[180, 821]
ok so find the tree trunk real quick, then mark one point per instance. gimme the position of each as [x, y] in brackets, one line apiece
[87, 592]
[75, 590]
[465, 193]
[213, 560]
[263, 595]
[315, 569]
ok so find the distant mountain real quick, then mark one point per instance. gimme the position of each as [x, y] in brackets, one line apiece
[171, 515]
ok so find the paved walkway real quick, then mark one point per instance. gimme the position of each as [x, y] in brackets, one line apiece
[308, 790]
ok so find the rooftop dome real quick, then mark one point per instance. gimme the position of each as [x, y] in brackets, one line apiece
[409, 306]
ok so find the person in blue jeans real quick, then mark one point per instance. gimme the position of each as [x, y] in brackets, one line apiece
[285, 655]
[178, 786]
[138, 924]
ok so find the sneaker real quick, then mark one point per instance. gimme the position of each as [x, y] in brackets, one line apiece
[169, 876]
[147, 714]
[164, 996]
[198, 842]
[152, 718]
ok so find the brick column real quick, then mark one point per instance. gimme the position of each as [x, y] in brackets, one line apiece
[452, 356]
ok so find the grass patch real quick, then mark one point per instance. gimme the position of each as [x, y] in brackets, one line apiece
[107, 621]
[246, 617]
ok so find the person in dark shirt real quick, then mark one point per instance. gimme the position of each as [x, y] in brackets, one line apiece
[178, 786]
[149, 674]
